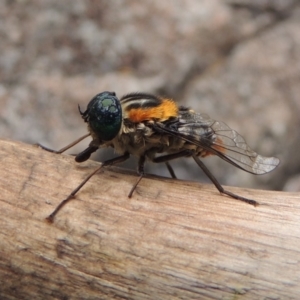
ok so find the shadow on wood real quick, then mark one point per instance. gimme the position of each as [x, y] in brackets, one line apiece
[172, 240]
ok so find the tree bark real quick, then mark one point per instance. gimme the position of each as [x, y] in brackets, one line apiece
[172, 240]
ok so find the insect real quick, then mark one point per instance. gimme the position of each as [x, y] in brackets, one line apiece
[157, 129]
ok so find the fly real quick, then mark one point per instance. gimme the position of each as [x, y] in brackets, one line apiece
[157, 129]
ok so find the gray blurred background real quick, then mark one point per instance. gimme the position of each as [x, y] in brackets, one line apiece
[238, 61]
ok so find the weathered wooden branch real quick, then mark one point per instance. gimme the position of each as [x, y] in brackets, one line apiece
[172, 240]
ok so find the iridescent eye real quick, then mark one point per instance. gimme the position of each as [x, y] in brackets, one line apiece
[104, 115]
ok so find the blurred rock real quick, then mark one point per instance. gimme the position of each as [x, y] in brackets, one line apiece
[293, 184]
[238, 61]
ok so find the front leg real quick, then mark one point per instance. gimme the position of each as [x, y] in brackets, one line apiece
[110, 162]
[64, 148]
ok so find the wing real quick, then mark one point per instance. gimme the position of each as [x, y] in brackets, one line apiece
[219, 139]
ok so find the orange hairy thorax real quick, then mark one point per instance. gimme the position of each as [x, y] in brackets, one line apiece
[162, 112]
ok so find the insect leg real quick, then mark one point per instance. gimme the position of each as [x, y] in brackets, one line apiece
[64, 148]
[166, 158]
[160, 159]
[85, 154]
[170, 169]
[109, 162]
[218, 185]
[141, 172]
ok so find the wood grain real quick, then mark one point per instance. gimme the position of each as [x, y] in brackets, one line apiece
[172, 240]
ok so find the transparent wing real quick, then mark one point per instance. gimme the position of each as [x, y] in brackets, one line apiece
[219, 139]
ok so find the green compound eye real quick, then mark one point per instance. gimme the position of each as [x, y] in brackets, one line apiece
[104, 115]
